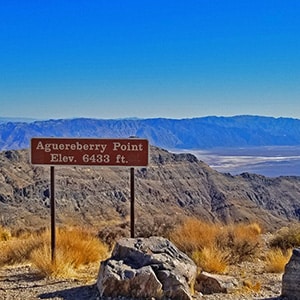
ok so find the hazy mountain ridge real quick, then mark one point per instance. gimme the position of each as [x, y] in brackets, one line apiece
[195, 133]
[7, 119]
[173, 185]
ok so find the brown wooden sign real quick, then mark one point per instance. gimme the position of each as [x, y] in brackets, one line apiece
[90, 152]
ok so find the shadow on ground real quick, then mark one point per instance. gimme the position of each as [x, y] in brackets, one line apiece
[85, 292]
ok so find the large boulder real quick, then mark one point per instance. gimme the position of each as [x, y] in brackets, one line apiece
[291, 277]
[146, 268]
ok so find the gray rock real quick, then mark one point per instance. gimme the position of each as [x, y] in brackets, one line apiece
[147, 268]
[140, 282]
[291, 277]
[207, 283]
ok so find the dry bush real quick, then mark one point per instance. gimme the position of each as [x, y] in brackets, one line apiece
[5, 234]
[17, 250]
[110, 233]
[155, 225]
[3, 254]
[193, 235]
[231, 243]
[75, 247]
[211, 260]
[286, 238]
[276, 259]
[242, 239]
[61, 267]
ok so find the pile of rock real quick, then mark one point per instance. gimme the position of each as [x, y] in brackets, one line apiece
[152, 268]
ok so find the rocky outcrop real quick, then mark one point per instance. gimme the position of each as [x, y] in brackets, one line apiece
[171, 187]
[146, 268]
[291, 277]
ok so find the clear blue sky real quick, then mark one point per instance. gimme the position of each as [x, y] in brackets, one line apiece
[176, 59]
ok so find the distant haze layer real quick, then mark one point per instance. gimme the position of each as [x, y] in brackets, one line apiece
[254, 144]
[268, 161]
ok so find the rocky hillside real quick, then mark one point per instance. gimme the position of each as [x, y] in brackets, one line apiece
[173, 185]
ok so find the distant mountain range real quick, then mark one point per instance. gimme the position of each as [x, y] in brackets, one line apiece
[6, 120]
[171, 187]
[196, 133]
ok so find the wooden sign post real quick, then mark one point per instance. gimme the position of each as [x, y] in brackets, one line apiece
[130, 153]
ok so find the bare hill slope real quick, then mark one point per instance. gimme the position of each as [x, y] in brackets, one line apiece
[172, 186]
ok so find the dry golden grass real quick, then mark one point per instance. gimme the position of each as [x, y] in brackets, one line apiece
[276, 259]
[211, 259]
[75, 247]
[16, 251]
[214, 246]
[194, 234]
[61, 267]
[243, 241]
[249, 286]
[5, 234]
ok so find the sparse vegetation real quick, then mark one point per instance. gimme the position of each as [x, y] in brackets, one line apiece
[242, 240]
[75, 247]
[214, 246]
[211, 259]
[286, 238]
[276, 259]
[249, 286]
[5, 234]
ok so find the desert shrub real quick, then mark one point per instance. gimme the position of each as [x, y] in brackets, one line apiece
[5, 234]
[158, 225]
[193, 235]
[227, 244]
[286, 238]
[17, 250]
[75, 247]
[61, 267]
[276, 259]
[110, 233]
[242, 239]
[211, 259]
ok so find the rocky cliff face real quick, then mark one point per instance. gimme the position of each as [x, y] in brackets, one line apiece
[173, 185]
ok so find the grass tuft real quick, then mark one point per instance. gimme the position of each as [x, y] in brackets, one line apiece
[75, 247]
[60, 268]
[276, 259]
[214, 246]
[194, 234]
[16, 251]
[211, 260]
[250, 286]
[5, 234]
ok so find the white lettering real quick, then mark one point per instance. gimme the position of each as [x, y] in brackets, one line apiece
[40, 146]
[59, 158]
[77, 146]
[102, 147]
[117, 146]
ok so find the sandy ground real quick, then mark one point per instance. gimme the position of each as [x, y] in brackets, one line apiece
[22, 282]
